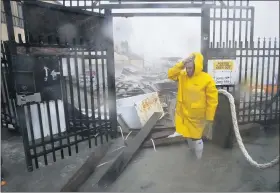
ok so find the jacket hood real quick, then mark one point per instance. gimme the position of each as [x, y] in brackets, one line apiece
[198, 62]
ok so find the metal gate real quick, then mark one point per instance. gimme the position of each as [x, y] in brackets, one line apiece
[64, 88]
[228, 39]
[9, 118]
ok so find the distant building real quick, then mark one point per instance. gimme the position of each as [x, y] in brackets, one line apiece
[18, 21]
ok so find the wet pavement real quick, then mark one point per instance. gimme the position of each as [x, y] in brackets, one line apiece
[169, 169]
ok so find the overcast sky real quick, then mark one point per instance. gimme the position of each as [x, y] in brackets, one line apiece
[155, 37]
[178, 36]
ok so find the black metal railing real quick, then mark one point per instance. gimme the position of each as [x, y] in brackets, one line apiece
[257, 88]
[8, 108]
[74, 103]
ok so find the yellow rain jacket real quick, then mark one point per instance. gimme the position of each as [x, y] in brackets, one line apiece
[197, 99]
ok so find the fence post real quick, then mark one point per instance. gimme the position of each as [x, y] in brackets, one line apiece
[205, 34]
[111, 73]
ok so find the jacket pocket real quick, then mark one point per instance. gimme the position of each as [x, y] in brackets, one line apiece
[197, 111]
[181, 110]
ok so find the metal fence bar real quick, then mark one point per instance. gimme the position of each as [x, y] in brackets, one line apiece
[278, 86]
[72, 106]
[251, 85]
[262, 79]
[240, 80]
[92, 102]
[66, 105]
[246, 71]
[99, 121]
[42, 133]
[77, 82]
[25, 138]
[267, 79]
[51, 130]
[32, 135]
[233, 30]
[8, 113]
[58, 127]
[103, 53]
[274, 49]
[257, 79]
[86, 98]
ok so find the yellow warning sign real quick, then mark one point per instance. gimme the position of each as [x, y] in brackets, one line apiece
[223, 65]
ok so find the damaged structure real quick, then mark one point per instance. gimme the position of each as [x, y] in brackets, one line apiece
[61, 89]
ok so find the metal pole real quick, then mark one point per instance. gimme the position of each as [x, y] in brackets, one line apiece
[111, 74]
[205, 35]
[9, 20]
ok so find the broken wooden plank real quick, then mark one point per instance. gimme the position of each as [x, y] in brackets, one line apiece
[115, 167]
[82, 174]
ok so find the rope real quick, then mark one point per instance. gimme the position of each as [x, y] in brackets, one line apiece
[239, 139]
[128, 135]
[154, 146]
[120, 128]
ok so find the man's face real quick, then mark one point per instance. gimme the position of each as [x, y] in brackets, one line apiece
[190, 66]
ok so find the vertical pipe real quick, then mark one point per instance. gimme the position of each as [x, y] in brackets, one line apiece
[50, 128]
[42, 133]
[245, 80]
[214, 26]
[240, 24]
[77, 82]
[221, 25]
[278, 89]
[32, 136]
[72, 102]
[267, 78]
[262, 79]
[252, 26]
[85, 97]
[251, 83]
[106, 129]
[25, 139]
[98, 95]
[227, 25]
[257, 78]
[234, 21]
[240, 80]
[59, 128]
[273, 75]
[6, 94]
[205, 34]
[92, 97]
[66, 105]
[111, 75]
[246, 61]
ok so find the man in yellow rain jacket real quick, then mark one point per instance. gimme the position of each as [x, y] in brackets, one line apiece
[197, 100]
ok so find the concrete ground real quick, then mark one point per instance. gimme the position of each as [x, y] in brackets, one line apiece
[169, 169]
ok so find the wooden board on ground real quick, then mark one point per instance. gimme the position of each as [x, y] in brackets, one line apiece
[86, 169]
[116, 167]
